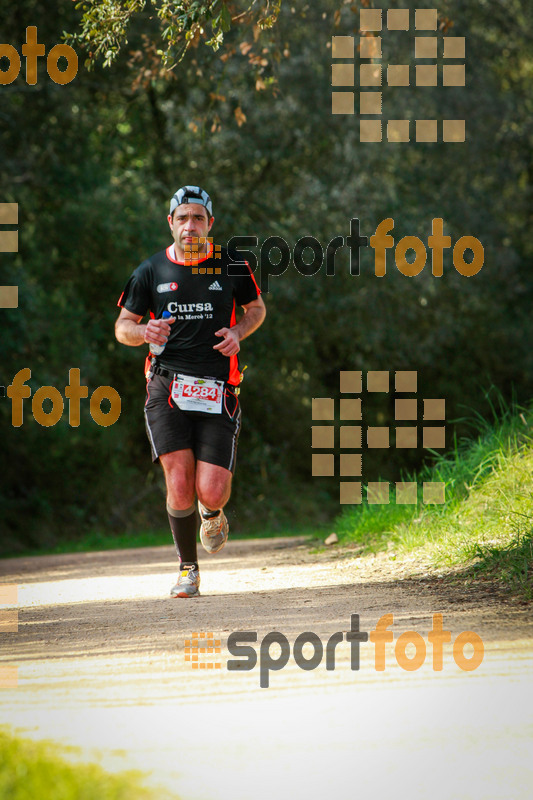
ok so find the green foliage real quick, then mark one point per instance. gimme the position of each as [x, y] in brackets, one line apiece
[510, 563]
[104, 25]
[34, 769]
[486, 523]
[92, 165]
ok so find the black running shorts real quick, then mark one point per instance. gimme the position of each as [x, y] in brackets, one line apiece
[212, 437]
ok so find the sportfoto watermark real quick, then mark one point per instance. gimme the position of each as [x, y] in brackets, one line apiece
[74, 391]
[239, 645]
[32, 50]
[411, 430]
[308, 255]
[372, 74]
[9, 243]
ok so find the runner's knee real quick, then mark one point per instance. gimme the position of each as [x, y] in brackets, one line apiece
[214, 495]
[179, 476]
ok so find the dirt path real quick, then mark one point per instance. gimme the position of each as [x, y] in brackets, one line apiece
[100, 653]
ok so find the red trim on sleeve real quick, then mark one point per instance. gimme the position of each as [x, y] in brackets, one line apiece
[234, 373]
[148, 359]
[253, 278]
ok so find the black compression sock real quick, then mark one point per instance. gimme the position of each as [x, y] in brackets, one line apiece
[184, 525]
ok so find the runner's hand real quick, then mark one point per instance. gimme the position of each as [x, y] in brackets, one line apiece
[157, 331]
[230, 346]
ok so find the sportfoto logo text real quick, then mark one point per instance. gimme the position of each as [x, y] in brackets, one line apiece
[74, 391]
[308, 255]
[410, 649]
[32, 50]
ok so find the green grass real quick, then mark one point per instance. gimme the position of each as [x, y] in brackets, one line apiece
[35, 771]
[485, 526]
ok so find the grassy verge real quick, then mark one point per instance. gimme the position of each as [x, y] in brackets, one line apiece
[94, 541]
[289, 511]
[485, 525]
[30, 770]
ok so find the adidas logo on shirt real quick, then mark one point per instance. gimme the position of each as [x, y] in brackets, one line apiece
[216, 286]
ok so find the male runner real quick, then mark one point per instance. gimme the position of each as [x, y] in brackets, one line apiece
[192, 410]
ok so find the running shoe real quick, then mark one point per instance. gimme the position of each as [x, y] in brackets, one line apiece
[213, 531]
[188, 584]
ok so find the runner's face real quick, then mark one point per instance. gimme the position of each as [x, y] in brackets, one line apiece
[190, 222]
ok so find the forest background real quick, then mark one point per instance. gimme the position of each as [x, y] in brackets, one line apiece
[92, 166]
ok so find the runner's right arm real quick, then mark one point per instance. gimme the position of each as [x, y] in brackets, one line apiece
[128, 329]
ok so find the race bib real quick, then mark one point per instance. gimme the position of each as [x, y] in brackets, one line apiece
[197, 394]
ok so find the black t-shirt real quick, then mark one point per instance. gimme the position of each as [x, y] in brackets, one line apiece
[203, 300]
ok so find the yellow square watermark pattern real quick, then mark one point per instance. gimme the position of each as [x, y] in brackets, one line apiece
[195, 254]
[374, 26]
[200, 649]
[416, 426]
[9, 243]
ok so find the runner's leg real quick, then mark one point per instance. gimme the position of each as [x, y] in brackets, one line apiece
[179, 469]
[213, 485]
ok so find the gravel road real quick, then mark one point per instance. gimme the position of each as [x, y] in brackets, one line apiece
[101, 660]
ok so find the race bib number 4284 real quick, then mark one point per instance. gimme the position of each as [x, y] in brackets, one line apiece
[197, 394]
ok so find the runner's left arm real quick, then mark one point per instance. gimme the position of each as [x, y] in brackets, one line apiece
[254, 314]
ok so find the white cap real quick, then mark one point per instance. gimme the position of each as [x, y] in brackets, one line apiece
[192, 194]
